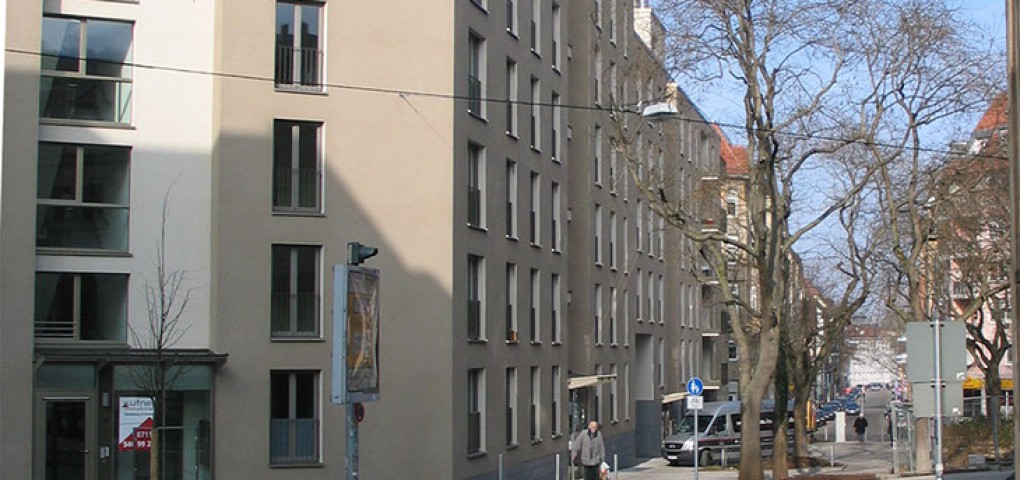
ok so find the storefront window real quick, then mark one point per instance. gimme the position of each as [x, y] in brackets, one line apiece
[184, 438]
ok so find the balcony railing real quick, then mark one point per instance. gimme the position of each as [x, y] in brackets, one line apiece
[474, 206]
[56, 329]
[474, 432]
[293, 440]
[534, 37]
[296, 189]
[474, 319]
[510, 231]
[534, 324]
[510, 440]
[511, 329]
[83, 98]
[474, 95]
[298, 67]
[555, 321]
[533, 226]
[295, 314]
[534, 421]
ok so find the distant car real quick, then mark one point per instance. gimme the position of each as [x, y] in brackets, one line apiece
[874, 386]
[852, 408]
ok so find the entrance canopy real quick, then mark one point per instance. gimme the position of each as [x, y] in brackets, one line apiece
[589, 381]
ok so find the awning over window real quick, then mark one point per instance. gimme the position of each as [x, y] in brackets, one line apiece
[673, 397]
[589, 381]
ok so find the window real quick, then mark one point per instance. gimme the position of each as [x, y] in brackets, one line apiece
[626, 391]
[511, 98]
[536, 99]
[597, 404]
[554, 411]
[554, 134]
[476, 186]
[299, 45]
[297, 166]
[476, 75]
[613, 170]
[511, 17]
[536, 27]
[614, 93]
[597, 306]
[476, 410]
[476, 306]
[88, 307]
[626, 319]
[731, 202]
[511, 199]
[597, 156]
[598, 14]
[556, 205]
[612, 21]
[612, 240]
[536, 404]
[555, 283]
[86, 69]
[661, 294]
[626, 244]
[295, 296]
[640, 295]
[597, 245]
[731, 348]
[535, 300]
[556, 33]
[612, 315]
[651, 294]
[614, 393]
[511, 406]
[597, 77]
[293, 423]
[511, 303]
[639, 223]
[536, 197]
[82, 197]
[662, 363]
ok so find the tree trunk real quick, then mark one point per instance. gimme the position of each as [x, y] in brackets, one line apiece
[751, 467]
[780, 470]
[800, 410]
[993, 388]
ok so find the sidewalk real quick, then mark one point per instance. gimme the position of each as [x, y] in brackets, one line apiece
[854, 457]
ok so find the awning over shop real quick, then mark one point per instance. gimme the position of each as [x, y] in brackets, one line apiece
[972, 383]
[673, 397]
[589, 381]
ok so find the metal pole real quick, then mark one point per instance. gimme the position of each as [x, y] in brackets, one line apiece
[895, 448]
[557, 466]
[351, 469]
[937, 327]
[616, 466]
[696, 412]
[501, 466]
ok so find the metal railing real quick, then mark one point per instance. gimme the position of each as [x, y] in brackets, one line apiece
[293, 440]
[296, 189]
[474, 432]
[295, 314]
[474, 319]
[474, 94]
[298, 67]
[474, 206]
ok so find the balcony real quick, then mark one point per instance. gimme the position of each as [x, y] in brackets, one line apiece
[85, 98]
[961, 291]
[298, 68]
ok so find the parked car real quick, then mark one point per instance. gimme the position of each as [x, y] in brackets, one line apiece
[875, 386]
[852, 408]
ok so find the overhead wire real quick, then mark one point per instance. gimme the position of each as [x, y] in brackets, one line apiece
[626, 108]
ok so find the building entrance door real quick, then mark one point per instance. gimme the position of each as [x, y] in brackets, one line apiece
[68, 440]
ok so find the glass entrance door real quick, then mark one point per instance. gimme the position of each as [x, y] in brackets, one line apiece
[67, 439]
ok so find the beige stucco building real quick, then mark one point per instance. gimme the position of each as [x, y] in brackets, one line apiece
[524, 289]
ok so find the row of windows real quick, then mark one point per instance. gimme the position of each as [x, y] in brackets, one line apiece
[477, 101]
[477, 324]
[83, 191]
[478, 195]
[86, 72]
[93, 306]
[512, 16]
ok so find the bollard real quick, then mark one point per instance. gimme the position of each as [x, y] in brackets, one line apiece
[616, 466]
[501, 466]
[832, 455]
[557, 466]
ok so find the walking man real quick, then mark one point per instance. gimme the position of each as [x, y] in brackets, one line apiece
[591, 449]
[860, 426]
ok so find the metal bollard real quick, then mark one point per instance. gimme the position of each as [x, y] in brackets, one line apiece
[501, 466]
[616, 466]
[832, 455]
[557, 466]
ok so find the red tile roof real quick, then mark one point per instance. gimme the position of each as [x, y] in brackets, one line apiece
[996, 116]
[734, 156]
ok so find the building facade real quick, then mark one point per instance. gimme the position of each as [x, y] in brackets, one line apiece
[525, 288]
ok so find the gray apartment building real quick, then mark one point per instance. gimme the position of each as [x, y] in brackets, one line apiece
[526, 285]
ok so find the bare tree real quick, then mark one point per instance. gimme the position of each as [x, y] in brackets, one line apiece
[925, 70]
[974, 240]
[166, 300]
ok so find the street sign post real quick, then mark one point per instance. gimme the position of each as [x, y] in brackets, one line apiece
[695, 402]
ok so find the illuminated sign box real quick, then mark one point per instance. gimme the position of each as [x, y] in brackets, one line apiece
[355, 334]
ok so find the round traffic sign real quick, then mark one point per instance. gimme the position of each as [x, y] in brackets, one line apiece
[695, 386]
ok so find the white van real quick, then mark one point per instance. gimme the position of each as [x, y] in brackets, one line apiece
[719, 424]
